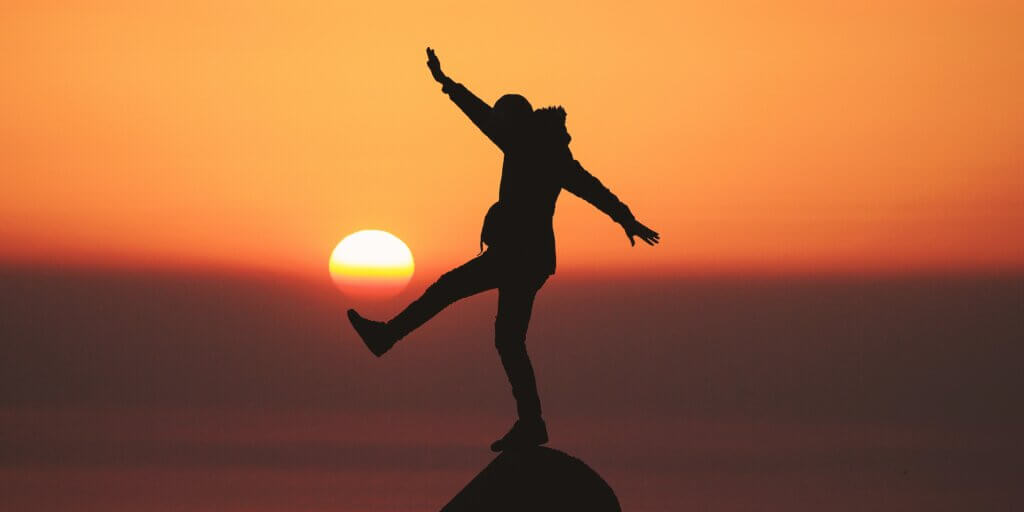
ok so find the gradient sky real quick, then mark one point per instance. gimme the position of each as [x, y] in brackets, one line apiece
[796, 136]
[153, 154]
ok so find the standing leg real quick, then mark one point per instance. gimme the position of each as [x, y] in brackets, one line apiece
[515, 304]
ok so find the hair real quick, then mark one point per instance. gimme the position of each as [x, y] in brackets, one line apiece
[551, 124]
[553, 114]
[513, 106]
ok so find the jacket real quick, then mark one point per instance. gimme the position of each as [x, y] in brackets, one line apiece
[536, 167]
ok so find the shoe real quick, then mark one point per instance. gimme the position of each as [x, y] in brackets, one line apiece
[524, 434]
[374, 334]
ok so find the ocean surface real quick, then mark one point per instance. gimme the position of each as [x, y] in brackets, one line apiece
[202, 391]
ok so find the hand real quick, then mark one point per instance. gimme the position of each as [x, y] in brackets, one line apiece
[435, 66]
[635, 228]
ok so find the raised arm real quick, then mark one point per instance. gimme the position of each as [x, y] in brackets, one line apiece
[577, 180]
[475, 108]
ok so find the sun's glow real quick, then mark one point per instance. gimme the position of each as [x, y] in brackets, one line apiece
[371, 264]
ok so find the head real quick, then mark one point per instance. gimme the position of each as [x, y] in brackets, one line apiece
[511, 113]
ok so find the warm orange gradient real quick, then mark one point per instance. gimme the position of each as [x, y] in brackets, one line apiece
[803, 136]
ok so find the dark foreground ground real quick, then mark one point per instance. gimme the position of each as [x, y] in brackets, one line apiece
[199, 391]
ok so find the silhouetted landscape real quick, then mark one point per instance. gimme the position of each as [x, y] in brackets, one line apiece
[535, 478]
[177, 390]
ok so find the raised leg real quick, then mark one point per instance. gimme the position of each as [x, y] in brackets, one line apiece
[475, 276]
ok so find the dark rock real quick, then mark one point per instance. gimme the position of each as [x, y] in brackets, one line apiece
[536, 480]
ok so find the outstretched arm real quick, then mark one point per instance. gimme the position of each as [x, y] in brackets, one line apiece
[475, 108]
[583, 184]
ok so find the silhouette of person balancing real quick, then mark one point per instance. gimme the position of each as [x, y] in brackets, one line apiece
[520, 240]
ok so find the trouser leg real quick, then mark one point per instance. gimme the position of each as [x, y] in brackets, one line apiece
[515, 303]
[475, 276]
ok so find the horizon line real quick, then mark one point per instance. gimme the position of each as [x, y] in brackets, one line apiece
[576, 272]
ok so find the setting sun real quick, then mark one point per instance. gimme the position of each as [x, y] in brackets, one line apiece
[371, 264]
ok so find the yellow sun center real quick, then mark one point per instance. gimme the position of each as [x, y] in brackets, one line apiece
[371, 263]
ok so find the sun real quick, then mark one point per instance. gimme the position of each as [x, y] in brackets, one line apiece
[371, 264]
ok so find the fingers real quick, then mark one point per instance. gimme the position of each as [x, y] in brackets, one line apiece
[651, 234]
[648, 237]
[651, 237]
[649, 240]
[648, 230]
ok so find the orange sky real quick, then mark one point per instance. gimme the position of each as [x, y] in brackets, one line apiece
[800, 136]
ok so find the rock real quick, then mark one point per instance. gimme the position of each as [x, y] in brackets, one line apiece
[535, 480]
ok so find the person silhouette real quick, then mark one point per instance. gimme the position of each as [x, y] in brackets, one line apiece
[518, 232]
